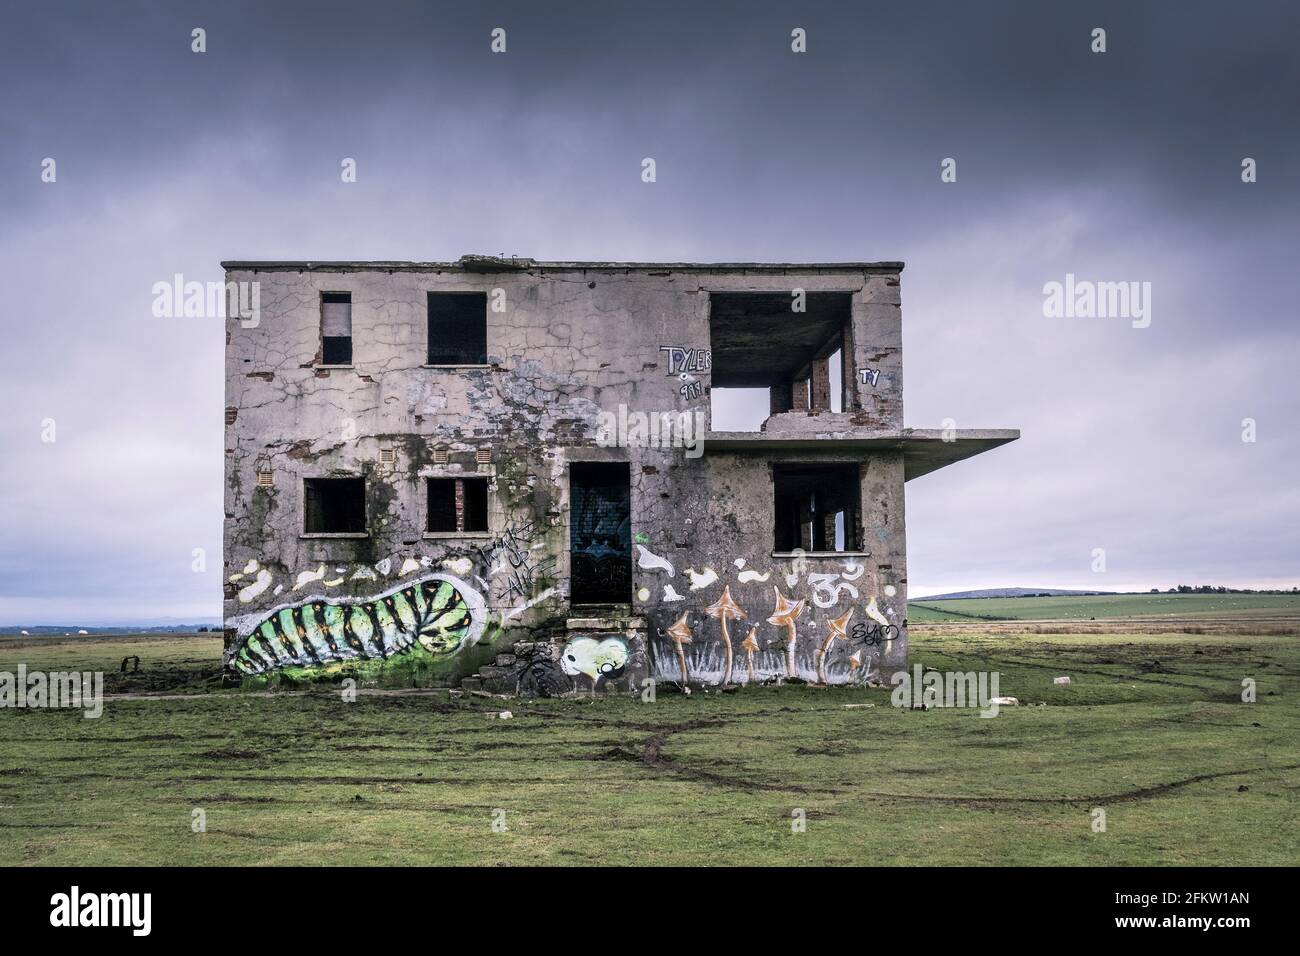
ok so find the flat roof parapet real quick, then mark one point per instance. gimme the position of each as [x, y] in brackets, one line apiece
[479, 263]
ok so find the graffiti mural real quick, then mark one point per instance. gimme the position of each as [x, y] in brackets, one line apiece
[436, 616]
[459, 614]
[691, 386]
[874, 635]
[725, 610]
[827, 588]
[680, 634]
[836, 631]
[511, 555]
[687, 360]
[751, 647]
[543, 669]
[598, 660]
[648, 561]
[699, 581]
[784, 615]
[542, 678]
[795, 642]
[682, 362]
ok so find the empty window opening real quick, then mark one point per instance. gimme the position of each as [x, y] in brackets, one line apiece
[738, 409]
[457, 328]
[835, 366]
[457, 505]
[758, 341]
[336, 328]
[600, 533]
[335, 505]
[817, 507]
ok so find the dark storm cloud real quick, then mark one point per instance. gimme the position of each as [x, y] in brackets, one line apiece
[1121, 166]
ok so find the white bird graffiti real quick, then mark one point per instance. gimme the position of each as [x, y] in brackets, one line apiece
[649, 561]
[699, 581]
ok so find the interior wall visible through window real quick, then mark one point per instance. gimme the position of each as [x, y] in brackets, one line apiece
[336, 328]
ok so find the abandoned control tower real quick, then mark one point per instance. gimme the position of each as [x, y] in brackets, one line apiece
[502, 474]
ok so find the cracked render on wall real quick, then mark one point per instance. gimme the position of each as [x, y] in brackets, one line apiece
[710, 600]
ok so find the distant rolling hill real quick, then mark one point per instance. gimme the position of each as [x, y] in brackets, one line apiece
[1008, 593]
[155, 627]
[1094, 606]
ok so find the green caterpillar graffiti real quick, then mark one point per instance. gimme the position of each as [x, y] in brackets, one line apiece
[439, 613]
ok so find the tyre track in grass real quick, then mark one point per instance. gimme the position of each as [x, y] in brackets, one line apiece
[1128, 796]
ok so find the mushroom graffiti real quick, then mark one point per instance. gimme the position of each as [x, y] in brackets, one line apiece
[837, 631]
[725, 610]
[750, 647]
[680, 633]
[784, 615]
[855, 662]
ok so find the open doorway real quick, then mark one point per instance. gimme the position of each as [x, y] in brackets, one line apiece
[600, 533]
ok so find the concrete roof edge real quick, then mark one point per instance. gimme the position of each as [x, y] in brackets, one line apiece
[1000, 435]
[988, 434]
[495, 264]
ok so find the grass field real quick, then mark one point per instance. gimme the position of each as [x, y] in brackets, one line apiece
[1152, 730]
[1254, 607]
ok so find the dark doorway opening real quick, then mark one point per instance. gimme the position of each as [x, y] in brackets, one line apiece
[600, 533]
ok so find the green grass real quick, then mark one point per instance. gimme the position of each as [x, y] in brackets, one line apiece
[1104, 606]
[1152, 730]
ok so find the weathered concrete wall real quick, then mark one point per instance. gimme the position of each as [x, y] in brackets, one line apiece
[569, 344]
[717, 533]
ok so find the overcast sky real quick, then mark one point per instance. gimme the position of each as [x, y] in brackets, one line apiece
[1121, 166]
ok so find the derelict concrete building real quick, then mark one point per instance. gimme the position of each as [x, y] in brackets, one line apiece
[503, 473]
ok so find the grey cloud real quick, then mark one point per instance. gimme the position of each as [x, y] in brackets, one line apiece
[1119, 167]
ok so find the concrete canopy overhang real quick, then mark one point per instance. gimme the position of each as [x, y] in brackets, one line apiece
[924, 449]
